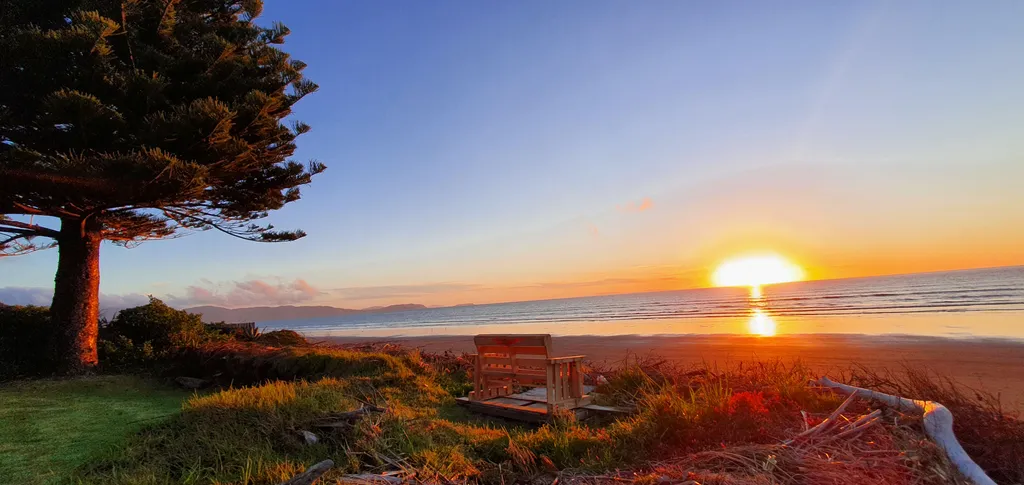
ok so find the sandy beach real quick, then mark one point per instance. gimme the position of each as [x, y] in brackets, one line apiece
[994, 365]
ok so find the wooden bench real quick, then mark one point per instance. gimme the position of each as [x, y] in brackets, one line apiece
[505, 363]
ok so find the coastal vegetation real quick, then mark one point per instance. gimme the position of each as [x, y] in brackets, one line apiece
[384, 410]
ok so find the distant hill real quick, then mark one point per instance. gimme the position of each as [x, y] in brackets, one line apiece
[287, 312]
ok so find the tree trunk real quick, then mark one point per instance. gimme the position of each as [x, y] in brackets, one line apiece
[75, 308]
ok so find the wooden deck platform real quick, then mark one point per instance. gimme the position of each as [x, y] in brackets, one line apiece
[531, 406]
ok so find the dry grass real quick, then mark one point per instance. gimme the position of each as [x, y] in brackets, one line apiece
[706, 425]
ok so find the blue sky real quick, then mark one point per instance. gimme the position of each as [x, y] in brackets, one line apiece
[490, 151]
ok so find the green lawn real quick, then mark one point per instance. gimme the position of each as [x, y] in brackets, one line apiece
[49, 427]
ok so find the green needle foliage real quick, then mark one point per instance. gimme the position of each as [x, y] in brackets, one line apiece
[130, 120]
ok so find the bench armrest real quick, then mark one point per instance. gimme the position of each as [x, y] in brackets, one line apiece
[566, 358]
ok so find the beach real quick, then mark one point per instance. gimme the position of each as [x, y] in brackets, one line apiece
[988, 364]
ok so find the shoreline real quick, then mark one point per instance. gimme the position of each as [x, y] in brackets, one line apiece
[988, 364]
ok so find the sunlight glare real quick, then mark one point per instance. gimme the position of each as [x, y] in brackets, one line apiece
[761, 324]
[754, 271]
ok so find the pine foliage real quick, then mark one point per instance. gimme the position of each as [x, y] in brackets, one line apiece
[146, 118]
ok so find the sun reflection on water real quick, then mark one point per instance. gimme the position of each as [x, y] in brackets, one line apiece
[761, 324]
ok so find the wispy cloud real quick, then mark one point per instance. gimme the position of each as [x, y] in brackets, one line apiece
[644, 204]
[246, 293]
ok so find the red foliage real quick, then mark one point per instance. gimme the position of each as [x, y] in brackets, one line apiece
[746, 403]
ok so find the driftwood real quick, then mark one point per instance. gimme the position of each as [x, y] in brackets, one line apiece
[823, 425]
[370, 478]
[938, 425]
[311, 474]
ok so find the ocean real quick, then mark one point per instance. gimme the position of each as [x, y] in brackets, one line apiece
[967, 303]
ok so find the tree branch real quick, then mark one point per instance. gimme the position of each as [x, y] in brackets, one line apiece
[28, 210]
[11, 239]
[38, 230]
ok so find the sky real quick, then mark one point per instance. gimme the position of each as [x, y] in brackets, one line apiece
[504, 151]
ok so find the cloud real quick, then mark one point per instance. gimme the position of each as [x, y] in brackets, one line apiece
[253, 292]
[400, 291]
[26, 296]
[109, 304]
[645, 204]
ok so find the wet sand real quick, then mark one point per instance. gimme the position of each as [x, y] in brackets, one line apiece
[994, 365]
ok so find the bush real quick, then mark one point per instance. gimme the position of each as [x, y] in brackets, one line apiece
[245, 332]
[281, 338]
[142, 335]
[247, 363]
[24, 341]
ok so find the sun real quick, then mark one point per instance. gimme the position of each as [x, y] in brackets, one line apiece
[754, 271]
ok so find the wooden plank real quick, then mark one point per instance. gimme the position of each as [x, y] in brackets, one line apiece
[577, 380]
[567, 358]
[505, 379]
[528, 380]
[519, 413]
[537, 394]
[512, 357]
[550, 386]
[503, 350]
[520, 340]
[506, 372]
[491, 391]
[564, 377]
[559, 389]
[572, 402]
[478, 376]
[510, 401]
[528, 360]
[493, 360]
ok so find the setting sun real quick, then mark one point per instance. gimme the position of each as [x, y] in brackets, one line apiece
[755, 271]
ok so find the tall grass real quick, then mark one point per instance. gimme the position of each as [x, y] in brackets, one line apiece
[710, 425]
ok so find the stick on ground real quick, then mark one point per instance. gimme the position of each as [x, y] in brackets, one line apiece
[311, 474]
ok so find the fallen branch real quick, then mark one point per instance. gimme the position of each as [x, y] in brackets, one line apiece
[858, 421]
[938, 425]
[823, 424]
[370, 478]
[311, 474]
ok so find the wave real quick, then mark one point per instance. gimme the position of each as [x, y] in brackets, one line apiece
[1000, 290]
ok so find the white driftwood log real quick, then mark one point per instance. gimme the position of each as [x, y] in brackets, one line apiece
[938, 425]
[311, 474]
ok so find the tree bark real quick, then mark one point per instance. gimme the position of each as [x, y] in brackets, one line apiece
[75, 308]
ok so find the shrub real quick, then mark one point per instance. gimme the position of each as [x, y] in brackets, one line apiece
[142, 335]
[281, 338]
[24, 341]
[247, 363]
[246, 332]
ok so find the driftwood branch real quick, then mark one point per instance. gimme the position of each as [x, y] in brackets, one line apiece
[311, 474]
[824, 424]
[938, 425]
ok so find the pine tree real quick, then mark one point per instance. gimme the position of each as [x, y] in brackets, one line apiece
[131, 120]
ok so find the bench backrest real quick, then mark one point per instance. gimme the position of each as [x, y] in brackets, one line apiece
[539, 344]
[502, 358]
